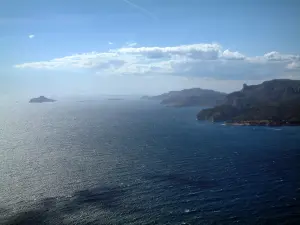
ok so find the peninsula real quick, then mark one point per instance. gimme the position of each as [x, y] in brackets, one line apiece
[189, 97]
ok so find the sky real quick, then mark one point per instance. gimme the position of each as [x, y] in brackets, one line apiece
[74, 47]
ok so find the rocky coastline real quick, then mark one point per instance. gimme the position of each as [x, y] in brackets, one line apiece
[263, 123]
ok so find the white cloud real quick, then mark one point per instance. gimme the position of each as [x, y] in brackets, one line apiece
[110, 43]
[195, 51]
[276, 56]
[31, 36]
[198, 60]
[293, 65]
[232, 55]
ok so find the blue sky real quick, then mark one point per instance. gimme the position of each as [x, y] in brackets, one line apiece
[145, 46]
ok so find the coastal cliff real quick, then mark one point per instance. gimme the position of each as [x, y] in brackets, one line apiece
[275, 102]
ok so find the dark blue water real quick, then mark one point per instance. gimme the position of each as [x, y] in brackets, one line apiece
[137, 162]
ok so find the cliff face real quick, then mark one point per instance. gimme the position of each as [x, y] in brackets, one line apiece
[270, 92]
[190, 97]
[275, 100]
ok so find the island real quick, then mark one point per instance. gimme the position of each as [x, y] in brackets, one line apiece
[115, 99]
[189, 97]
[272, 103]
[41, 99]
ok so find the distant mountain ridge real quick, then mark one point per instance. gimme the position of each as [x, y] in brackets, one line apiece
[190, 97]
[275, 100]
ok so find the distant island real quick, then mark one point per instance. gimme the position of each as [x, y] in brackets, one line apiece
[189, 97]
[115, 99]
[41, 99]
[272, 103]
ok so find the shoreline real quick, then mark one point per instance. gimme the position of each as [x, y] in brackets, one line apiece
[263, 123]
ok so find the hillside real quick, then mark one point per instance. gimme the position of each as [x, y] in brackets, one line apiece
[190, 97]
[275, 100]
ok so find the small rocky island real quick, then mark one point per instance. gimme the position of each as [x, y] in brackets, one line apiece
[272, 103]
[41, 99]
[115, 99]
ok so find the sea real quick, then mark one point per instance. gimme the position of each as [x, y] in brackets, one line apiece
[131, 161]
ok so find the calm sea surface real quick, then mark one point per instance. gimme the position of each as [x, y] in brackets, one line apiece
[137, 162]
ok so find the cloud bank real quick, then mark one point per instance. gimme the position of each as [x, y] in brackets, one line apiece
[196, 60]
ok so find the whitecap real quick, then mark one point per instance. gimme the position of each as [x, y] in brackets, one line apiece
[187, 210]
